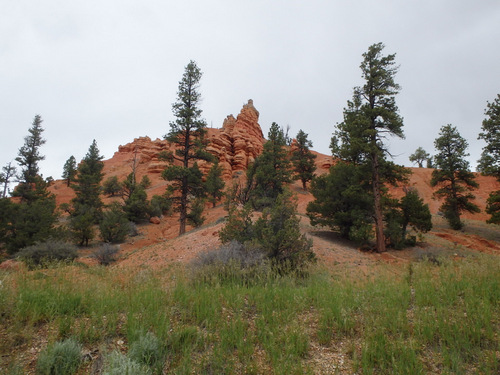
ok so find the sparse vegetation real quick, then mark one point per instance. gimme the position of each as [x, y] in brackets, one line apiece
[434, 318]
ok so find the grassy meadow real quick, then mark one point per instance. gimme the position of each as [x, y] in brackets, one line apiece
[432, 317]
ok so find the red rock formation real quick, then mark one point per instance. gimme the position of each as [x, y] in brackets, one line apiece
[239, 141]
[236, 145]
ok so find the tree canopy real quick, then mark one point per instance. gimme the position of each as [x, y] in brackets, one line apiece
[419, 156]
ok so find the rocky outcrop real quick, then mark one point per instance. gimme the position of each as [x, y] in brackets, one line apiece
[239, 141]
[236, 145]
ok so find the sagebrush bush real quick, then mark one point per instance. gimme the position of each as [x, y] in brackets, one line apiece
[146, 350]
[119, 364]
[234, 261]
[44, 253]
[106, 254]
[60, 358]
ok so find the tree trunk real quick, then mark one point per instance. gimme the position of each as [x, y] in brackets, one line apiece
[377, 207]
[183, 209]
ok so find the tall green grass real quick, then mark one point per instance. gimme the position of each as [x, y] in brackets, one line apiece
[444, 317]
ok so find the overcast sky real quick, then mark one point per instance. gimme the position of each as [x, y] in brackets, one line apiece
[109, 69]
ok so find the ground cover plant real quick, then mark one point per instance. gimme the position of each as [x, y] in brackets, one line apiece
[435, 317]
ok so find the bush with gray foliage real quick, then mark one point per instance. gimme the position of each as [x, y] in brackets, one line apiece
[44, 253]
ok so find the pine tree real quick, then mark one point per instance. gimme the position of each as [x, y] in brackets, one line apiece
[87, 204]
[69, 170]
[489, 164]
[272, 169]
[410, 211]
[368, 119]
[419, 156]
[114, 225]
[28, 159]
[187, 133]
[214, 184]
[303, 159]
[8, 172]
[342, 201]
[380, 110]
[87, 184]
[111, 186]
[453, 176]
[33, 218]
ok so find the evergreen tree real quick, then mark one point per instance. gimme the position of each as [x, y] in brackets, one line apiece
[187, 133]
[214, 184]
[69, 170]
[419, 156]
[33, 218]
[87, 204]
[111, 186]
[430, 162]
[489, 163]
[368, 119]
[303, 159]
[409, 211]
[114, 225]
[342, 202]
[453, 176]
[82, 224]
[137, 206]
[276, 233]
[87, 184]
[8, 172]
[381, 113]
[29, 156]
[271, 170]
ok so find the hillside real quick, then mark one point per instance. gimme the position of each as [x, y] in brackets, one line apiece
[236, 144]
[356, 312]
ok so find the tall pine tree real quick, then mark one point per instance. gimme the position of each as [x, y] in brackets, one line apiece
[33, 218]
[368, 119]
[489, 163]
[453, 176]
[69, 170]
[272, 169]
[187, 134]
[87, 204]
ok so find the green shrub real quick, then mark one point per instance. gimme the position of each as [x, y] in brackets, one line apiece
[276, 232]
[60, 358]
[160, 205]
[146, 350]
[119, 364]
[44, 253]
[114, 225]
